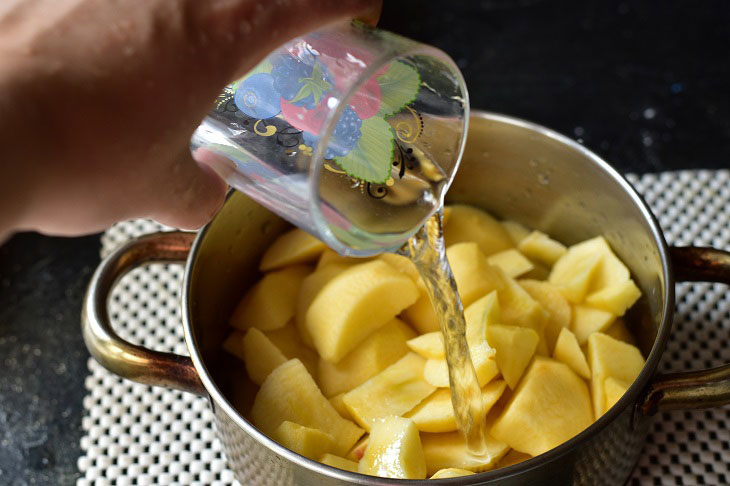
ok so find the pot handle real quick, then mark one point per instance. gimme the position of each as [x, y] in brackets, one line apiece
[121, 357]
[693, 389]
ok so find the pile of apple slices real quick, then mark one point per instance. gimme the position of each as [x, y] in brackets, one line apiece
[350, 360]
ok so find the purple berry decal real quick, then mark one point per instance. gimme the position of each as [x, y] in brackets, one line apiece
[257, 97]
[344, 136]
[302, 84]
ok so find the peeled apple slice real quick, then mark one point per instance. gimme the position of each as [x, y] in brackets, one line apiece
[309, 289]
[261, 355]
[270, 304]
[587, 320]
[514, 348]
[449, 450]
[393, 391]
[290, 393]
[516, 231]
[467, 223]
[394, 450]
[611, 358]
[451, 472]
[568, 351]
[338, 462]
[511, 261]
[552, 301]
[430, 345]
[614, 390]
[379, 350]
[541, 247]
[306, 441]
[474, 277]
[615, 299]
[436, 413]
[291, 248]
[573, 274]
[355, 303]
[287, 339]
[551, 405]
[436, 371]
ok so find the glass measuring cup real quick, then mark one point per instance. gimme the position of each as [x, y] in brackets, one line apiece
[351, 133]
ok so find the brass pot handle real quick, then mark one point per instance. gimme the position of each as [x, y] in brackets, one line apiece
[693, 389]
[121, 357]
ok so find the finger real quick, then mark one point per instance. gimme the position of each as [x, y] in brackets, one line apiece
[190, 195]
[247, 30]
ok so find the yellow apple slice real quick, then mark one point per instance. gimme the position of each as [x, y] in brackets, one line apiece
[394, 450]
[421, 315]
[610, 357]
[467, 223]
[290, 393]
[305, 441]
[339, 405]
[261, 355]
[234, 344]
[614, 390]
[358, 450]
[518, 308]
[552, 301]
[586, 268]
[309, 289]
[514, 348]
[330, 257]
[436, 413]
[338, 462]
[474, 277]
[430, 345]
[291, 248]
[271, 303]
[448, 450]
[618, 330]
[615, 299]
[541, 247]
[393, 391]
[402, 264]
[550, 406]
[451, 472]
[513, 457]
[379, 350]
[511, 261]
[516, 231]
[436, 371]
[587, 320]
[355, 303]
[568, 351]
[288, 340]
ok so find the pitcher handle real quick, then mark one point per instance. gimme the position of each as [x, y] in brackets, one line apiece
[693, 389]
[119, 356]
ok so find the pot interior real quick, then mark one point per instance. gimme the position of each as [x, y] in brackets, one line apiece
[513, 169]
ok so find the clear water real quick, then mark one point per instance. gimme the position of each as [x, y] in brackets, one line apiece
[427, 251]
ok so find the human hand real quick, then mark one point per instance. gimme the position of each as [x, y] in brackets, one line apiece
[99, 99]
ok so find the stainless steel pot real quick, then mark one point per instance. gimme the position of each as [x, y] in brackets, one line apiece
[514, 169]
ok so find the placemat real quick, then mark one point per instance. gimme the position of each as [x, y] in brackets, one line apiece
[140, 435]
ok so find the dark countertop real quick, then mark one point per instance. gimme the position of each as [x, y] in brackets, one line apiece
[645, 86]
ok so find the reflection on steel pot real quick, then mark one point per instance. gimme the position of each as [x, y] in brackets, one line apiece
[515, 170]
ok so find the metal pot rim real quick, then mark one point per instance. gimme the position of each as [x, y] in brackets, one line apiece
[630, 398]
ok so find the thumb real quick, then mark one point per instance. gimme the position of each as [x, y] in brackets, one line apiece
[191, 194]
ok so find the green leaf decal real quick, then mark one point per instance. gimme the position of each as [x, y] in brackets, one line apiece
[398, 87]
[371, 160]
[315, 86]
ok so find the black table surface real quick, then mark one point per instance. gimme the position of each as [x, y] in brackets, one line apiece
[644, 84]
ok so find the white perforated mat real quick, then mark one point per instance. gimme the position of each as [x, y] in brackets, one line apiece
[138, 435]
